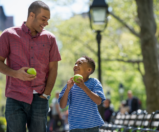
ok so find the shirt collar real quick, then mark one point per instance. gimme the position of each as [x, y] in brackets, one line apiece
[27, 30]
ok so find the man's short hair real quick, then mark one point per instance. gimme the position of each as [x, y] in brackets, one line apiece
[90, 62]
[36, 6]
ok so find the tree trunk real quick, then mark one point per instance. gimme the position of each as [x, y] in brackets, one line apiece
[149, 52]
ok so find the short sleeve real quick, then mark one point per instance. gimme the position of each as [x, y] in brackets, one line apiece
[62, 93]
[54, 51]
[98, 89]
[4, 44]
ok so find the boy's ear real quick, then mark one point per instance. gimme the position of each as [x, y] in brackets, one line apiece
[90, 70]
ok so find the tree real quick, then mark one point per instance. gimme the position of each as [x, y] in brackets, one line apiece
[148, 43]
[149, 52]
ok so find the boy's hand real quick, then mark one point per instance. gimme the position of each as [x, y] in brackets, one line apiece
[70, 83]
[81, 83]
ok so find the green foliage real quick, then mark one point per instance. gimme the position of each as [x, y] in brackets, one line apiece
[2, 92]
[117, 43]
[156, 11]
[3, 124]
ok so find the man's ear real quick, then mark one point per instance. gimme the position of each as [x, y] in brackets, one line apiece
[32, 15]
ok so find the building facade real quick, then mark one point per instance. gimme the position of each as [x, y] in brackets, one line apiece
[5, 21]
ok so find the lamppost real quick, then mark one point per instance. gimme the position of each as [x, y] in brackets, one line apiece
[98, 21]
[108, 95]
[98, 13]
[121, 91]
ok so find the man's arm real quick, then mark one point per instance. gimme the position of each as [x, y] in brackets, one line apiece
[53, 66]
[5, 69]
[20, 74]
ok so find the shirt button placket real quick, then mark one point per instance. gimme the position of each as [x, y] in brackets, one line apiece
[32, 54]
[32, 62]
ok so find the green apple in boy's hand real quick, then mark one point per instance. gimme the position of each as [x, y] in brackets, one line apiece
[77, 76]
[31, 71]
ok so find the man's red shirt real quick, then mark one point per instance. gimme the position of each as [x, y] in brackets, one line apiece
[23, 50]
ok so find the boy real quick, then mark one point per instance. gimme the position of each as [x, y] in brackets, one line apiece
[83, 98]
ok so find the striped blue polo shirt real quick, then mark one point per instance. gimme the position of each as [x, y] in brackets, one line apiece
[83, 112]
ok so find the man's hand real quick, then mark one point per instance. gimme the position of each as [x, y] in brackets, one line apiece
[41, 96]
[23, 75]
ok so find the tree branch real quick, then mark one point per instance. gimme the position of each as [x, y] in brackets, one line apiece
[127, 26]
[127, 61]
[140, 70]
[82, 42]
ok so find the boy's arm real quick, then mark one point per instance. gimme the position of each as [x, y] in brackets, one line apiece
[63, 101]
[96, 99]
[58, 110]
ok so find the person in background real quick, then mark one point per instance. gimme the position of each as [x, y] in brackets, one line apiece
[108, 111]
[56, 113]
[123, 109]
[23, 47]
[132, 102]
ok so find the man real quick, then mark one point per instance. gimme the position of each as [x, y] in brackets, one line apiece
[132, 102]
[23, 47]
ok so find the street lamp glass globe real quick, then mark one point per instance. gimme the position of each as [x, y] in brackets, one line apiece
[121, 90]
[99, 15]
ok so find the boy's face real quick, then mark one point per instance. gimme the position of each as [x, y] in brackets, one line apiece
[81, 67]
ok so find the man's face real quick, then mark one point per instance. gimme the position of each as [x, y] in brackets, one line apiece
[81, 66]
[41, 20]
[129, 95]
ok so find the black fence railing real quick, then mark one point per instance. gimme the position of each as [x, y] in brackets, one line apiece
[138, 121]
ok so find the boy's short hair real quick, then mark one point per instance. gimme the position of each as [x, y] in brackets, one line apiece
[90, 62]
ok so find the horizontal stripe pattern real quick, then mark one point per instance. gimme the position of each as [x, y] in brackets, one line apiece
[83, 112]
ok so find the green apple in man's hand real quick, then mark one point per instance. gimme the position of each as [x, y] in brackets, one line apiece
[31, 71]
[77, 76]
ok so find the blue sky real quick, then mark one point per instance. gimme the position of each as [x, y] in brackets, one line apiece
[18, 9]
